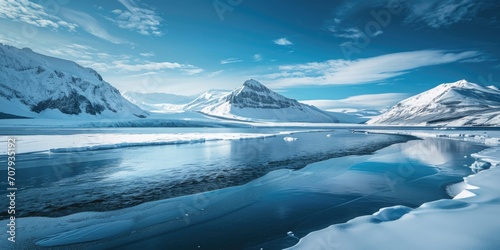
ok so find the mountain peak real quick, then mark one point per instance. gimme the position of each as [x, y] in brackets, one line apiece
[463, 84]
[252, 82]
[255, 85]
[253, 100]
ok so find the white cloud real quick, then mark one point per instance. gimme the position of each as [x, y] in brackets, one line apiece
[438, 13]
[117, 64]
[148, 66]
[73, 50]
[142, 20]
[147, 54]
[282, 41]
[482, 58]
[257, 57]
[140, 66]
[350, 33]
[368, 70]
[32, 13]
[230, 60]
[90, 25]
[375, 101]
[192, 70]
[377, 33]
[215, 73]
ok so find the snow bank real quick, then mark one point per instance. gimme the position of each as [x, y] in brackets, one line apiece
[486, 137]
[87, 142]
[469, 221]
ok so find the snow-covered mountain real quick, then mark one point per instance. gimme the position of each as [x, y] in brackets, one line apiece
[353, 115]
[254, 101]
[461, 103]
[158, 102]
[206, 99]
[34, 85]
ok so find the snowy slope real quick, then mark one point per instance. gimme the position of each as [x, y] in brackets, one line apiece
[34, 85]
[254, 101]
[461, 103]
[352, 115]
[158, 102]
[206, 99]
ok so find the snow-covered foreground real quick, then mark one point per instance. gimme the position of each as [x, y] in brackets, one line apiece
[152, 221]
[469, 221]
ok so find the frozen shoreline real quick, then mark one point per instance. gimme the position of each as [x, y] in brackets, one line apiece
[468, 221]
[100, 141]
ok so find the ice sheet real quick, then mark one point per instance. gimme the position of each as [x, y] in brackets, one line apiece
[469, 221]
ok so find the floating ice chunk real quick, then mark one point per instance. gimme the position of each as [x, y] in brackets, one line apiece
[290, 139]
[291, 234]
[329, 135]
[480, 165]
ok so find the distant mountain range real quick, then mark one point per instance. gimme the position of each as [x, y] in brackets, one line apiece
[158, 101]
[461, 103]
[38, 86]
[33, 85]
[251, 102]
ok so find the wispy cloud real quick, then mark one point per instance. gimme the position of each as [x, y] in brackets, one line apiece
[145, 21]
[117, 63]
[77, 51]
[215, 73]
[90, 25]
[191, 70]
[346, 22]
[375, 101]
[283, 41]
[257, 57]
[32, 13]
[438, 13]
[147, 54]
[127, 65]
[352, 33]
[368, 70]
[230, 60]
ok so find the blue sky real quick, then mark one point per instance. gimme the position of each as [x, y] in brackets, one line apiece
[346, 53]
